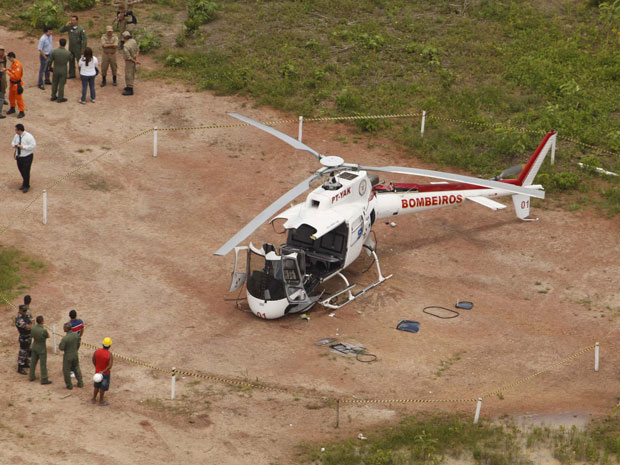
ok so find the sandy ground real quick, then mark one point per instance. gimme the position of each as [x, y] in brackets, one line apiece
[129, 243]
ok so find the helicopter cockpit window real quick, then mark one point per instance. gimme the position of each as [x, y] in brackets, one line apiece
[301, 236]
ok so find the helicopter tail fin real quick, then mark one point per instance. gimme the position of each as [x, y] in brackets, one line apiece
[526, 177]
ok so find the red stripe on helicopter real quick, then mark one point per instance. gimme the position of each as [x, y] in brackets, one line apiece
[431, 201]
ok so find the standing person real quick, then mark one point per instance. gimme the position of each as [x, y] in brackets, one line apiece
[125, 19]
[88, 71]
[16, 72]
[39, 350]
[24, 145]
[77, 325]
[70, 344]
[109, 44]
[59, 59]
[27, 300]
[2, 79]
[77, 42]
[131, 51]
[45, 49]
[23, 323]
[103, 360]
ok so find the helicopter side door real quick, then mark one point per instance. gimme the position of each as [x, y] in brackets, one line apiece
[294, 279]
[239, 277]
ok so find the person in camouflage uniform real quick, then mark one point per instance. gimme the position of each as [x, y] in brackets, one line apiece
[23, 323]
[39, 350]
[70, 344]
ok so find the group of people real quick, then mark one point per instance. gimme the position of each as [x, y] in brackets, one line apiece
[63, 63]
[33, 350]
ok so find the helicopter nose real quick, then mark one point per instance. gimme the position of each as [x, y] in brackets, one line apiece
[267, 309]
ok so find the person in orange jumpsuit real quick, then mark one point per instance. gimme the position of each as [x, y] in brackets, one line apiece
[15, 72]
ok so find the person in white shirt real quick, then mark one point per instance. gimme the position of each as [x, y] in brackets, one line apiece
[24, 145]
[45, 49]
[88, 70]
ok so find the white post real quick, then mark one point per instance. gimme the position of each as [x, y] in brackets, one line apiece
[155, 141]
[596, 348]
[54, 338]
[423, 123]
[553, 148]
[174, 377]
[44, 206]
[301, 124]
[478, 407]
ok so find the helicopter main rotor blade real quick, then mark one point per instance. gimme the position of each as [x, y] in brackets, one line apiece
[267, 213]
[458, 178]
[274, 132]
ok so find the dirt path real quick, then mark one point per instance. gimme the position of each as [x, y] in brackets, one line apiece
[129, 244]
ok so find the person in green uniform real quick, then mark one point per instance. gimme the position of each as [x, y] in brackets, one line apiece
[131, 51]
[59, 59]
[39, 350]
[77, 42]
[70, 344]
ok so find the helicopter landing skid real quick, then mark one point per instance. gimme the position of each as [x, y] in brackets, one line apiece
[332, 301]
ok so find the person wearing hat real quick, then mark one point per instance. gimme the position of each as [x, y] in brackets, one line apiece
[39, 350]
[103, 360]
[58, 60]
[70, 344]
[131, 51]
[109, 44]
[23, 323]
[77, 42]
[3, 83]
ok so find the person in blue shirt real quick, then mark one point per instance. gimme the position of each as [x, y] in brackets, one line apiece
[45, 50]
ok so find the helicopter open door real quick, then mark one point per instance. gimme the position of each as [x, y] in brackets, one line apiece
[292, 266]
[239, 278]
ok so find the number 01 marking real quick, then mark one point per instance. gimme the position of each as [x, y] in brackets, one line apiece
[525, 204]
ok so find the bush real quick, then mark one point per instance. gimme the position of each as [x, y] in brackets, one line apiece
[45, 13]
[76, 5]
[199, 12]
[147, 41]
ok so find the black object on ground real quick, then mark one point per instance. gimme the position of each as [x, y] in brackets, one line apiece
[465, 305]
[408, 325]
[451, 313]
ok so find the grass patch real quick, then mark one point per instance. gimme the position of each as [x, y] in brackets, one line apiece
[16, 271]
[431, 439]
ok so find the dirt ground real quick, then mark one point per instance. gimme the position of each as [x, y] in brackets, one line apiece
[129, 243]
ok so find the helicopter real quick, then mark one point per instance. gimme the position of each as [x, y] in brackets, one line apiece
[329, 230]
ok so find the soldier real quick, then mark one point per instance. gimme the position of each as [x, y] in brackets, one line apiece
[39, 350]
[125, 19]
[59, 59]
[2, 79]
[131, 52]
[77, 42]
[70, 344]
[109, 44]
[23, 323]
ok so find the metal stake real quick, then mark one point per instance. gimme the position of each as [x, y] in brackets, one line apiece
[423, 123]
[478, 407]
[174, 377]
[596, 354]
[155, 141]
[54, 335]
[44, 206]
[301, 124]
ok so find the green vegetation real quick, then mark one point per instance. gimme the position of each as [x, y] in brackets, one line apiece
[76, 5]
[16, 269]
[45, 13]
[432, 439]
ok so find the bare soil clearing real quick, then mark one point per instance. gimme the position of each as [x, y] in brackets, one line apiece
[129, 244]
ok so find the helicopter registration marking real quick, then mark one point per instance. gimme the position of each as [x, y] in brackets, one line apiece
[432, 201]
[342, 194]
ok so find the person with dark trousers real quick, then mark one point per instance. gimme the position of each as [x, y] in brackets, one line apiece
[45, 49]
[23, 323]
[24, 145]
[59, 60]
